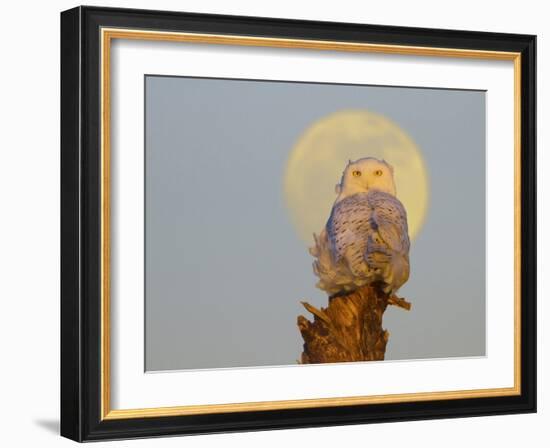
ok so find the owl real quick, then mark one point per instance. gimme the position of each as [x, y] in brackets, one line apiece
[365, 241]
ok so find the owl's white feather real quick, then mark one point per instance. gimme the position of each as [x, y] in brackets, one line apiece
[366, 239]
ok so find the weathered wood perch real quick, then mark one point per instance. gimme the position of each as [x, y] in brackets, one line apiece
[349, 329]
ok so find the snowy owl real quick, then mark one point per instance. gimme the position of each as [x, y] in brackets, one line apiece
[365, 240]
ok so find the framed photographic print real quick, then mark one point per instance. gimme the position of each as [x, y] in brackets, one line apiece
[272, 223]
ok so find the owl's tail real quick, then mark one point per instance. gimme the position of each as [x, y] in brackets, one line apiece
[392, 269]
[400, 269]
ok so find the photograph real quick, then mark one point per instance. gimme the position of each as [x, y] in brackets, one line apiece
[260, 195]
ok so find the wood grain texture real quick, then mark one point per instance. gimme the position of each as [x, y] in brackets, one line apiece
[349, 329]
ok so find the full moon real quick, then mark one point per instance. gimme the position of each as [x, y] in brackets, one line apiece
[316, 163]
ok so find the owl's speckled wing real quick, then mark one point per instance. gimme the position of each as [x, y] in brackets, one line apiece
[348, 230]
[388, 218]
[367, 230]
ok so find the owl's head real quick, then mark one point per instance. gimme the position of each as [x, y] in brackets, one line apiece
[364, 175]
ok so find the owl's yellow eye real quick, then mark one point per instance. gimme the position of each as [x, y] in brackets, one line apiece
[356, 173]
[378, 173]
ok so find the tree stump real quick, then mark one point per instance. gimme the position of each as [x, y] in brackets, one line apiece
[349, 329]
